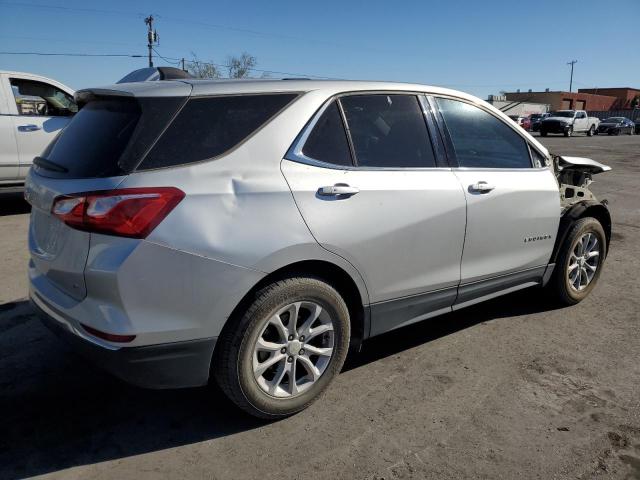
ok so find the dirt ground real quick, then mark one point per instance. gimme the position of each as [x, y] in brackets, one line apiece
[513, 388]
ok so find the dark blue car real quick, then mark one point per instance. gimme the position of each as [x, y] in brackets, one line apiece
[616, 126]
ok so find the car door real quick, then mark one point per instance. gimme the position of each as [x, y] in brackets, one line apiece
[513, 202]
[42, 110]
[376, 195]
[581, 122]
[8, 149]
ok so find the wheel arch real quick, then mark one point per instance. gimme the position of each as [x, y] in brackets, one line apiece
[587, 208]
[334, 275]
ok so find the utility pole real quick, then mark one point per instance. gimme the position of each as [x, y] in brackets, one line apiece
[572, 63]
[183, 64]
[152, 37]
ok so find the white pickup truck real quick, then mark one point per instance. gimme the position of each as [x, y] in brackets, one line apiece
[33, 109]
[569, 122]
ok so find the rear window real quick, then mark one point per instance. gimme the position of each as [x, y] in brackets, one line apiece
[93, 142]
[210, 126]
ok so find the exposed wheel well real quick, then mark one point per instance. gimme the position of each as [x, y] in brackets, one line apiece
[580, 210]
[330, 273]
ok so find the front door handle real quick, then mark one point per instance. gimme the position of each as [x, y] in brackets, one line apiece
[337, 189]
[28, 128]
[481, 187]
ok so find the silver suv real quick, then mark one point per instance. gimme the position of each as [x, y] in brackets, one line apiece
[256, 231]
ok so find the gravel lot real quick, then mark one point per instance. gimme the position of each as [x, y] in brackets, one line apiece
[514, 388]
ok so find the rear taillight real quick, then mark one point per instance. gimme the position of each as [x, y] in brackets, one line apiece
[126, 212]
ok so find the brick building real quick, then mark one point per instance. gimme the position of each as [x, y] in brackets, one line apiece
[624, 96]
[567, 100]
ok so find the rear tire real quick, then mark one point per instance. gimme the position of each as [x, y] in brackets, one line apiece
[264, 334]
[579, 261]
[543, 133]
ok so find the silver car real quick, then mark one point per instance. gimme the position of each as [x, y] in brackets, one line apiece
[256, 231]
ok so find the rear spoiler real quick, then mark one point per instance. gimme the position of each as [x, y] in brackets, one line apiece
[167, 88]
[82, 97]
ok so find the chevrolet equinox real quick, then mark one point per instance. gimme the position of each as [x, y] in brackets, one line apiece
[253, 232]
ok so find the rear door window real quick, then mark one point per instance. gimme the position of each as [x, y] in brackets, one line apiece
[328, 142]
[208, 127]
[481, 140]
[388, 131]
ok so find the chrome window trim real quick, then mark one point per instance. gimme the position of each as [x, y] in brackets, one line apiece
[295, 153]
[494, 169]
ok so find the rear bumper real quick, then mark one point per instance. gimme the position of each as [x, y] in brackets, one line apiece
[169, 365]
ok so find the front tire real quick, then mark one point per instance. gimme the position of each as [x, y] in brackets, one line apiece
[591, 131]
[579, 261]
[279, 355]
[568, 132]
[543, 133]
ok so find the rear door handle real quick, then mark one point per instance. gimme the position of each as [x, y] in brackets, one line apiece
[337, 189]
[481, 187]
[28, 128]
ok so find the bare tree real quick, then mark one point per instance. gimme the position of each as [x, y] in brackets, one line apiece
[200, 69]
[241, 67]
[238, 67]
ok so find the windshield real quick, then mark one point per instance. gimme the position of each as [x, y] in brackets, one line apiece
[613, 120]
[562, 114]
[536, 116]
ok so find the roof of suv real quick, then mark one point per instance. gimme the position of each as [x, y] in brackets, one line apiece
[233, 86]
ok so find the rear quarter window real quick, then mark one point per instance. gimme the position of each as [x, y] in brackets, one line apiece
[208, 127]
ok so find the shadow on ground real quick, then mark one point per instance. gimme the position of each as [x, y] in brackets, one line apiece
[13, 204]
[57, 412]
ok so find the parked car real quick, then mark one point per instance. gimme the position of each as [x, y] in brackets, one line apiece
[569, 122]
[519, 119]
[255, 231]
[616, 126]
[33, 110]
[536, 120]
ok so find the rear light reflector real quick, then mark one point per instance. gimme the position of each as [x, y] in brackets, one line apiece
[126, 212]
[111, 337]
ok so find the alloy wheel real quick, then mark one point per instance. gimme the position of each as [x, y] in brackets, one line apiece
[583, 261]
[293, 349]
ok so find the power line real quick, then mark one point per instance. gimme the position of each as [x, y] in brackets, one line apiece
[50, 54]
[169, 60]
[166, 59]
[274, 72]
[71, 9]
[189, 21]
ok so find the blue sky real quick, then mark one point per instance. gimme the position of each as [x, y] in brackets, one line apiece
[480, 47]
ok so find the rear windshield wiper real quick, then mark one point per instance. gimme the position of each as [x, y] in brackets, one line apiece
[49, 165]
